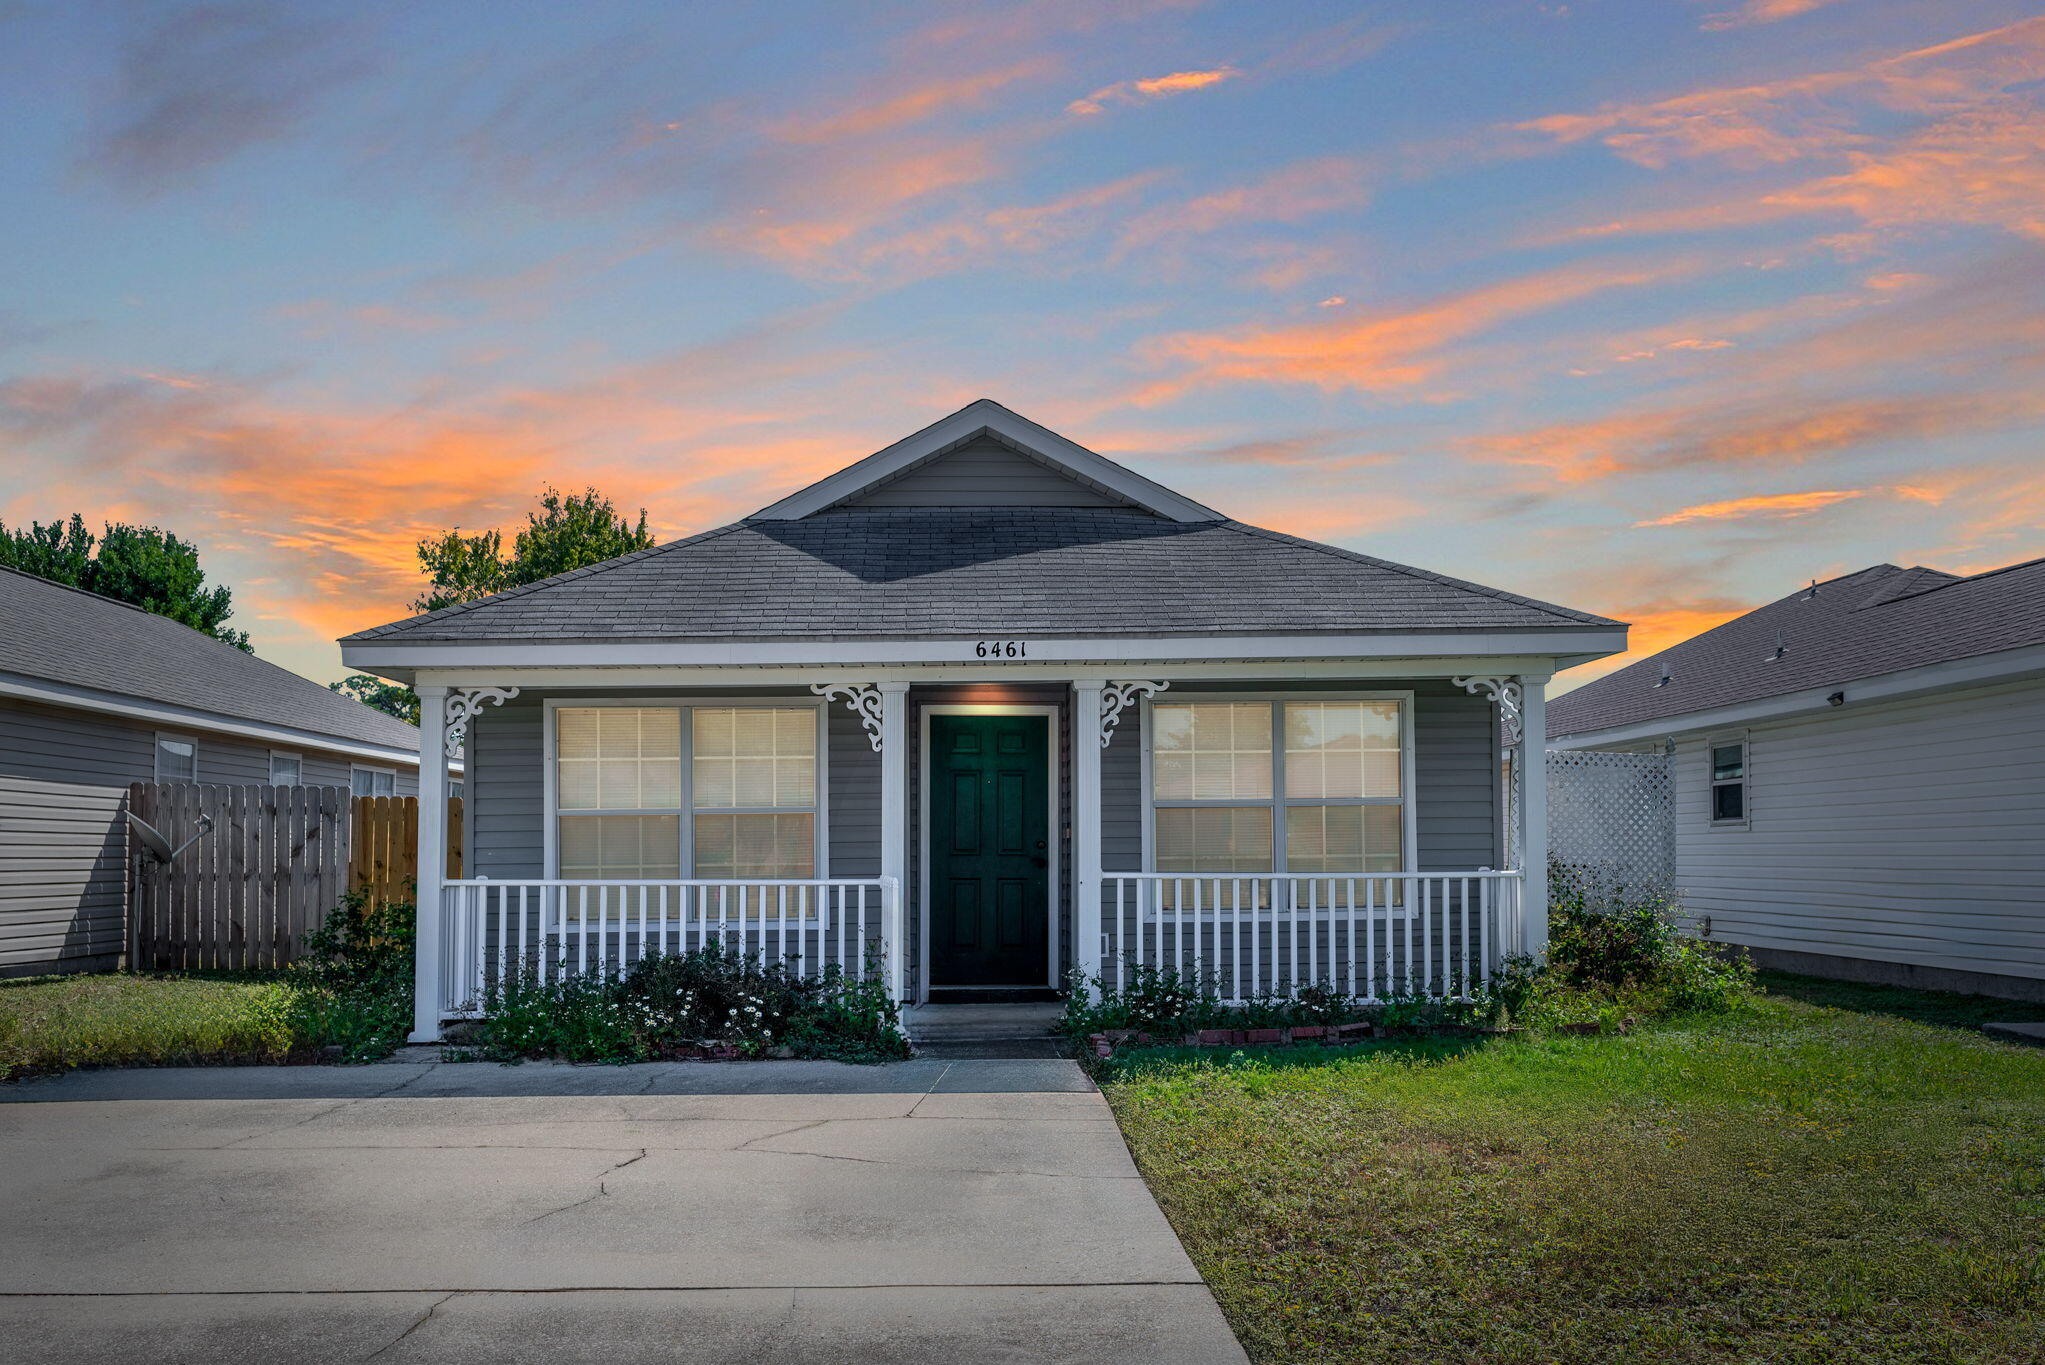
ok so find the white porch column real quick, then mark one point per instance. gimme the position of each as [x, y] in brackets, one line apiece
[1086, 824]
[432, 862]
[1533, 846]
[894, 819]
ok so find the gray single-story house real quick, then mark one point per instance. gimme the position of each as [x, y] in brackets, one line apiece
[981, 710]
[1859, 775]
[95, 695]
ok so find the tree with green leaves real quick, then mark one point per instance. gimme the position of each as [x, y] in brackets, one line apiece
[569, 531]
[393, 699]
[144, 566]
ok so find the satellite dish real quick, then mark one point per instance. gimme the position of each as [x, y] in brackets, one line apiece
[157, 845]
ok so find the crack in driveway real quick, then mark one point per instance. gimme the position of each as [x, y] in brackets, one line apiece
[601, 1190]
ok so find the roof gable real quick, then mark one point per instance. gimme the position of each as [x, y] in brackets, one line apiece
[984, 471]
[984, 455]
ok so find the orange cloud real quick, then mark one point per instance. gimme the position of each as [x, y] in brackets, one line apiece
[1762, 12]
[1291, 194]
[943, 95]
[1654, 625]
[1943, 134]
[1380, 349]
[1786, 429]
[980, 235]
[1152, 88]
[1787, 504]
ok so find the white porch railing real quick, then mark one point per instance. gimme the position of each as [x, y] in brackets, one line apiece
[1433, 934]
[491, 930]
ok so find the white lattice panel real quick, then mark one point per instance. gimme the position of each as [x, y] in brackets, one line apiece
[1611, 827]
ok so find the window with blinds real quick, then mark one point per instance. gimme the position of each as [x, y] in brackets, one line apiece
[643, 793]
[1313, 786]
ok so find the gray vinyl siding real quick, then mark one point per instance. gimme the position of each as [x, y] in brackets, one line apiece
[504, 794]
[64, 775]
[1905, 832]
[852, 790]
[984, 473]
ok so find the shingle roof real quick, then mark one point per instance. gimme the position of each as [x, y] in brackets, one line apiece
[64, 635]
[1876, 621]
[917, 572]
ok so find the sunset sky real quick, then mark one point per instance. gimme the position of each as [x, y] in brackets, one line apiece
[1650, 307]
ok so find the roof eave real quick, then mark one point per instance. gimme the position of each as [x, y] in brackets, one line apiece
[2008, 665]
[1564, 644]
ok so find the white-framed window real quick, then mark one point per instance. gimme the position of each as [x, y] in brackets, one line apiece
[1305, 784]
[372, 781]
[177, 758]
[455, 787]
[1726, 764]
[286, 769]
[723, 792]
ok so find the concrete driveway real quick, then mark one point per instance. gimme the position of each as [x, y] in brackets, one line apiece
[405, 1212]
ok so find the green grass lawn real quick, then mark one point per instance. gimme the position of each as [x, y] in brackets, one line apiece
[1836, 1174]
[53, 1023]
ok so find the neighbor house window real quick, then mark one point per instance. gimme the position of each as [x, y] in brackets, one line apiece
[1729, 782]
[1311, 786]
[725, 792]
[177, 758]
[373, 781]
[286, 770]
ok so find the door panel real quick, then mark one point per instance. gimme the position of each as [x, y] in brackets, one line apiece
[990, 851]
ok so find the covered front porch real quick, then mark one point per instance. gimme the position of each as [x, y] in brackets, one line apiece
[998, 830]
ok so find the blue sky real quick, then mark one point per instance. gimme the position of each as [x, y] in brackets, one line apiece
[1656, 309]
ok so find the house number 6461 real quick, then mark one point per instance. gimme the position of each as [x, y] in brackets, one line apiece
[1001, 649]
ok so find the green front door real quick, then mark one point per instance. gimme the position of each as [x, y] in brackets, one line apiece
[990, 856]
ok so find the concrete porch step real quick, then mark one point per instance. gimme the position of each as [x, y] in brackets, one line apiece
[960, 1024]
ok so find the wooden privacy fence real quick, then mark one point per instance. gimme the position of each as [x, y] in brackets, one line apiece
[244, 892]
[383, 845]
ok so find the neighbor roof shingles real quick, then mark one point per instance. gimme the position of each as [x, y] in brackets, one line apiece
[961, 571]
[1864, 624]
[64, 635]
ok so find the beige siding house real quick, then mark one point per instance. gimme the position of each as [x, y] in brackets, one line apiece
[95, 695]
[1859, 775]
[976, 713]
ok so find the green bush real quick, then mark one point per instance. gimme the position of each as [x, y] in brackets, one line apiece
[1634, 959]
[352, 987]
[674, 1005]
[1167, 1003]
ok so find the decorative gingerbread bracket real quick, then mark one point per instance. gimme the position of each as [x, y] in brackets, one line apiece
[1115, 699]
[863, 698]
[463, 705]
[1507, 693]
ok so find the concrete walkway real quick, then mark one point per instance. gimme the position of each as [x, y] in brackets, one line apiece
[781, 1211]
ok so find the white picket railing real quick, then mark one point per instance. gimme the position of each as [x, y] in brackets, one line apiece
[1433, 934]
[491, 930]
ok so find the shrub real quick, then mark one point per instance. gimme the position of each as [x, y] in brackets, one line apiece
[673, 1005]
[1168, 1004]
[352, 987]
[1635, 954]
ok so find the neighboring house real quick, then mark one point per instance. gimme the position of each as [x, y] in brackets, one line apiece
[95, 695]
[990, 707]
[1859, 775]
